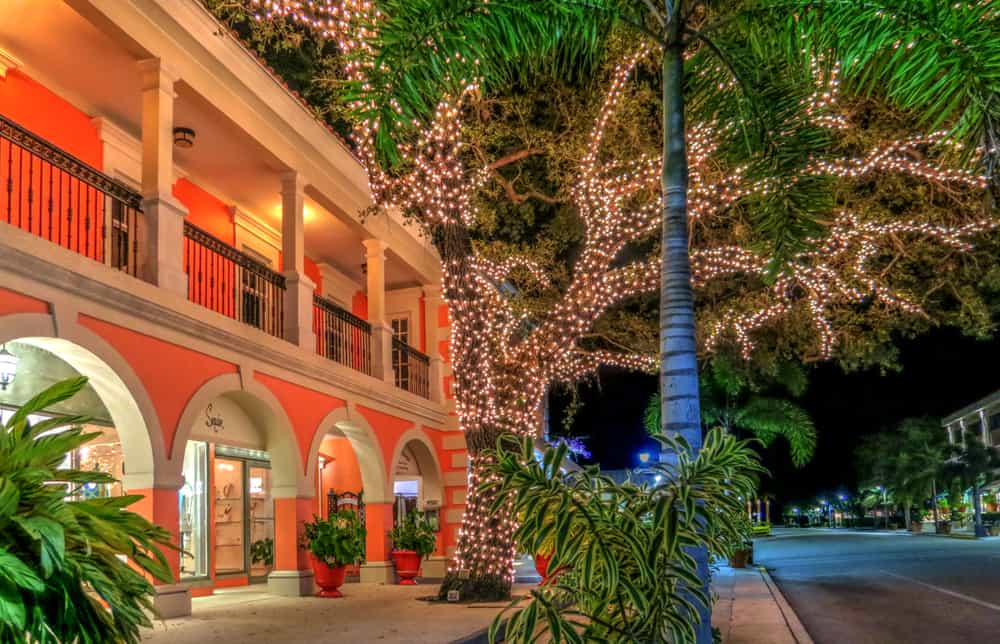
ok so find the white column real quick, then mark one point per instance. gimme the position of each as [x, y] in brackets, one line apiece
[381, 332]
[298, 287]
[161, 227]
[432, 302]
[961, 430]
[985, 426]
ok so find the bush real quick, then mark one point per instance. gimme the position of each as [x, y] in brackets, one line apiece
[415, 534]
[338, 540]
[626, 552]
[61, 578]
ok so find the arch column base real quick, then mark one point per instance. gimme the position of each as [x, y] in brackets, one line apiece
[172, 600]
[378, 572]
[434, 568]
[291, 583]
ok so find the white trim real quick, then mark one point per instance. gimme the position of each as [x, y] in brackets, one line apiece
[8, 61]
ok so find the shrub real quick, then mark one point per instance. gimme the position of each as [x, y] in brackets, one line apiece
[626, 551]
[61, 579]
[336, 541]
[415, 534]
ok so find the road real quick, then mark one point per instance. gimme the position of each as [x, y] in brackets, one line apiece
[871, 588]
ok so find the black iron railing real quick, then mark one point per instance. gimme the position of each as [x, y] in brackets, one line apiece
[50, 193]
[341, 336]
[232, 283]
[411, 369]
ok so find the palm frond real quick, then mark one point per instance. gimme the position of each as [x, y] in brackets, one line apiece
[769, 418]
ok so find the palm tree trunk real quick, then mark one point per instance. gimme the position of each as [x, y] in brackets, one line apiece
[906, 515]
[934, 504]
[977, 508]
[679, 414]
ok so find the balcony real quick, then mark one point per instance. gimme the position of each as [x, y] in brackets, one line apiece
[341, 336]
[232, 283]
[50, 193]
[411, 369]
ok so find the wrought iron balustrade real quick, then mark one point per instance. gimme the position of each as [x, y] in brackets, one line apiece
[232, 283]
[48, 192]
[341, 336]
[411, 369]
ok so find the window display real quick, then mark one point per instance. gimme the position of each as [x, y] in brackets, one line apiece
[261, 522]
[229, 525]
[194, 511]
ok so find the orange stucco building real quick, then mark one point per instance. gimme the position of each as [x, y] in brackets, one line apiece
[178, 227]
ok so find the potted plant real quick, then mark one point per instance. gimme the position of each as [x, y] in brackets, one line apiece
[742, 556]
[262, 551]
[917, 522]
[334, 543]
[412, 541]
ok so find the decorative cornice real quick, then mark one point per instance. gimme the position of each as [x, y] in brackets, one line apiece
[8, 61]
[139, 299]
[259, 229]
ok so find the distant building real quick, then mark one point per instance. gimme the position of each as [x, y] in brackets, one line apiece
[981, 419]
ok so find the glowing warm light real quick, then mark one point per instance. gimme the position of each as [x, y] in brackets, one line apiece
[503, 362]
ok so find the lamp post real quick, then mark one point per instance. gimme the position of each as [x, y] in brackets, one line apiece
[8, 367]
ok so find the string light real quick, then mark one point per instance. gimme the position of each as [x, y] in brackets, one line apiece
[502, 365]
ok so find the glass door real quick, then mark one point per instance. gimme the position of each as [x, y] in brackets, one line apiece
[261, 528]
[230, 543]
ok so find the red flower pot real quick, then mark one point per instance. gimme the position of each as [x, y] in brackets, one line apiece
[407, 566]
[542, 566]
[329, 579]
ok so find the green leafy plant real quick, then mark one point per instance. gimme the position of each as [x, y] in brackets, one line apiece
[338, 540]
[61, 579]
[414, 533]
[625, 550]
[262, 551]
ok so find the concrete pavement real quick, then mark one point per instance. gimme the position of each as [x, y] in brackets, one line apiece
[367, 613]
[852, 587]
[749, 609]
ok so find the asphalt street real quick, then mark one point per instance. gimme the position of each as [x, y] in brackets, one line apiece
[872, 588]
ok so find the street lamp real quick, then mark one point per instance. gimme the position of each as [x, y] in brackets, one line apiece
[8, 367]
[644, 457]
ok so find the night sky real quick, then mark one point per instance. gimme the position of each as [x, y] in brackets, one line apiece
[942, 372]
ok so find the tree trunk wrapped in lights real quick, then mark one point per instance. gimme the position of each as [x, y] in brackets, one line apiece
[504, 358]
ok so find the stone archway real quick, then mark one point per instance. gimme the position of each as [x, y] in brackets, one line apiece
[119, 389]
[415, 444]
[348, 423]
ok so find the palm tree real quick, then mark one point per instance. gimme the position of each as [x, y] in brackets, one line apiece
[971, 466]
[731, 401]
[745, 62]
[70, 570]
[922, 452]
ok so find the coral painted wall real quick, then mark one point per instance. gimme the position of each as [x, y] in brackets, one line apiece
[206, 211]
[40, 199]
[157, 364]
[37, 109]
[359, 305]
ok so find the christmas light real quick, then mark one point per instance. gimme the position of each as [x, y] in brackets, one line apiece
[502, 361]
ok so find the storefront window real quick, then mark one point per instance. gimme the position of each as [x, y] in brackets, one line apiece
[229, 526]
[261, 522]
[194, 511]
[101, 454]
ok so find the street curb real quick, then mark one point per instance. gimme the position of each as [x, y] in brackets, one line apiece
[791, 619]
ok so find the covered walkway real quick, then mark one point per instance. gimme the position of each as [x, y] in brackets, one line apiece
[367, 613]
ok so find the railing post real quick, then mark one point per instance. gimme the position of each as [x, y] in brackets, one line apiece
[161, 227]
[298, 287]
[381, 332]
[432, 303]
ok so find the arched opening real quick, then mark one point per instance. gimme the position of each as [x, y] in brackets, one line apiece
[128, 438]
[416, 480]
[347, 471]
[237, 453]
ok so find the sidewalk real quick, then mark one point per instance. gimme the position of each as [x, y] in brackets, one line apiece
[751, 610]
[367, 613]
